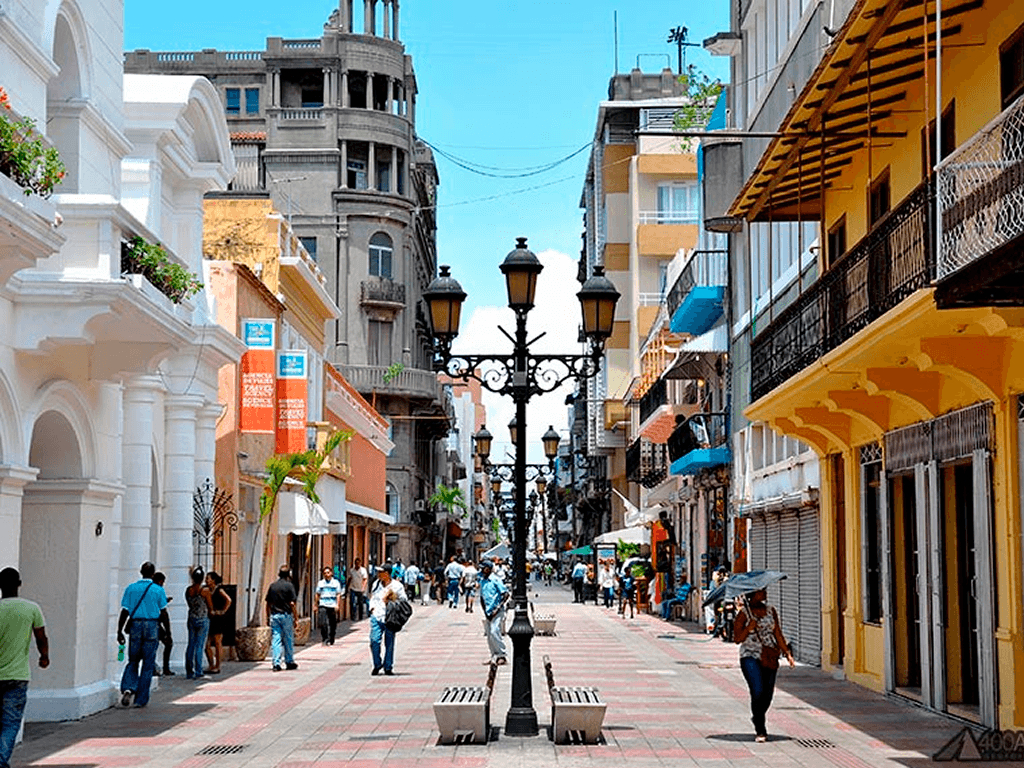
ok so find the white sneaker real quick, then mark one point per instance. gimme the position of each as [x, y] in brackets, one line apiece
[126, 698]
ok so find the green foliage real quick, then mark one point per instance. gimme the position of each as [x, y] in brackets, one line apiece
[625, 550]
[151, 261]
[495, 525]
[24, 157]
[450, 498]
[701, 93]
[392, 372]
[314, 463]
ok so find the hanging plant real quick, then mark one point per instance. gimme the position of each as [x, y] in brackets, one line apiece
[24, 157]
[150, 260]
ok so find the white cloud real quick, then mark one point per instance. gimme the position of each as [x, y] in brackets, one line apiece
[555, 314]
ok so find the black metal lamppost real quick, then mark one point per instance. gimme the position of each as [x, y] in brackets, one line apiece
[520, 374]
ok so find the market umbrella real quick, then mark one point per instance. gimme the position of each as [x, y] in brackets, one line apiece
[499, 550]
[742, 583]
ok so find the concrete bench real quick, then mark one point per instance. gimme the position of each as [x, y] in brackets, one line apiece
[574, 709]
[544, 625]
[463, 713]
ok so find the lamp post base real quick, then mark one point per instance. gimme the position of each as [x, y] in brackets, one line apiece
[521, 722]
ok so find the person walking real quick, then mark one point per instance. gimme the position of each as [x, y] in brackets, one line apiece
[357, 578]
[164, 633]
[411, 580]
[220, 604]
[493, 596]
[328, 589]
[579, 573]
[756, 629]
[20, 621]
[143, 609]
[608, 584]
[282, 619]
[199, 604]
[453, 573]
[469, 584]
[385, 589]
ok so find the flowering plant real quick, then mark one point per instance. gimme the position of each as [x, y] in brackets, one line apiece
[24, 157]
[151, 261]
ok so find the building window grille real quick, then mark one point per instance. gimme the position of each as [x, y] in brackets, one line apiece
[381, 251]
[232, 98]
[252, 101]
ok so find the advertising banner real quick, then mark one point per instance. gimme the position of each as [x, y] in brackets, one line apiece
[291, 401]
[256, 409]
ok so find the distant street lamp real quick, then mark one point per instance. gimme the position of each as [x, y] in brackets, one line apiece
[520, 374]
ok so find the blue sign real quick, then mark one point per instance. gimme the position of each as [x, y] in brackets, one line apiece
[258, 334]
[291, 365]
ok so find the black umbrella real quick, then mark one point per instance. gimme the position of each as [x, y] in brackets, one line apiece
[741, 584]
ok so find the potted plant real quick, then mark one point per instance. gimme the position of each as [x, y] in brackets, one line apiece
[24, 156]
[139, 257]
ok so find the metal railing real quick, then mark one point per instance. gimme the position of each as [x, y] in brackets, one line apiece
[650, 299]
[981, 192]
[669, 217]
[700, 431]
[658, 118]
[382, 291]
[892, 261]
[646, 463]
[667, 392]
[705, 268]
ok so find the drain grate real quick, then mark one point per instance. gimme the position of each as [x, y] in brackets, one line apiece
[222, 749]
[668, 637]
[816, 743]
[374, 737]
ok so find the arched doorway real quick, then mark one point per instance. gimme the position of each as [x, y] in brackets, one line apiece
[65, 99]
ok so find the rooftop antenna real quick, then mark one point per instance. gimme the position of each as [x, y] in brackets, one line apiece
[615, 16]
[679, 36]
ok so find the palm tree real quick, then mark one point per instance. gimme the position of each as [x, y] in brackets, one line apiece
[448, 497]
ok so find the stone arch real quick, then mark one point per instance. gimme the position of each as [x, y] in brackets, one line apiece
[67, 92]
[11, 445]
[63, 398]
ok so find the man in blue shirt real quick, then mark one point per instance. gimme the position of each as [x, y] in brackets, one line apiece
[493, 595]
[145, 604]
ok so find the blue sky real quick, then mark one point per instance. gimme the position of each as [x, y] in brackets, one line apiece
[505, 84]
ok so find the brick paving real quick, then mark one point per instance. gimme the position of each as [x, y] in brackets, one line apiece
[675, 698]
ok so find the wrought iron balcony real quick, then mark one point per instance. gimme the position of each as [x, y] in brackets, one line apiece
[646, 463]
[700, 442]
[659, 406]
[696, 301]
[653, 399]
[381, 291]
[892, 261]
[981, 197]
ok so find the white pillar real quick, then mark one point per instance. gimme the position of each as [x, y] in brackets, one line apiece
[327, 88]
[371, 166]
[343, 181]
[344, 88]
[180, 452]
[369, 90]
[139, 401]
[275, 88]
[12, 485]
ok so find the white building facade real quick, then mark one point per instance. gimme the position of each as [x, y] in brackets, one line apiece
[108, 388]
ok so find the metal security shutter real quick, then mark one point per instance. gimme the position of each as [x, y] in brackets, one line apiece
[789, 589]
[756, 541]
[809, 588]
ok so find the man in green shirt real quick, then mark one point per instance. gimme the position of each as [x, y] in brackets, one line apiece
[19, 621]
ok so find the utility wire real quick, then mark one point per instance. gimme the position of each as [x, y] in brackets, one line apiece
[504, 173]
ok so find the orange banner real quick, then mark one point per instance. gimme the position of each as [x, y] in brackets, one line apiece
[292, 392]
[256, 409]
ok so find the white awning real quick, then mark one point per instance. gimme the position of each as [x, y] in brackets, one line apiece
[297, 514]
[331, 491]
[635, 535]
[715, 340]
[373, 514]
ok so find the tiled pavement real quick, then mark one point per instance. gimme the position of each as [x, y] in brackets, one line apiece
[675, 698]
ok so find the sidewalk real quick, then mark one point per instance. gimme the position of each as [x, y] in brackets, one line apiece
[675, 698]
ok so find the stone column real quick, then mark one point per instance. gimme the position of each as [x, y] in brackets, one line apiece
[343, 181]
[139, 402]
[394, 19]
[344, 88]
[412, 109]
[12, 485]
[368, 16]
[275, 88]
[181, 413]
[371, 167]
[390, 95]
[327, 87]
[369, 90]
[386, 27]
[393, 174]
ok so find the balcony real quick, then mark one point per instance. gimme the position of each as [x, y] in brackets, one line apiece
[660, 405]
[892, 261]
[409, 382]
[697, 299]
[382, 293]
[700, 442]
[981, 197]
[646, 463]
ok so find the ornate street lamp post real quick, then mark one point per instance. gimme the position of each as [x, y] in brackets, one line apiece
[520, 374]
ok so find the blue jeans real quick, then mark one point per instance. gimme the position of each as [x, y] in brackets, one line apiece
[378, 632]
[609, 596]
[12, 706]
[357, 605]
[453, 593]
[282, 638]
[143, 639]
[197, 631]
[761, 682]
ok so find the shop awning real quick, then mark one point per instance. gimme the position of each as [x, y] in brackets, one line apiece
[299, 515]
[498, 550]
[635, 535]
[585, 551]
[368, 512]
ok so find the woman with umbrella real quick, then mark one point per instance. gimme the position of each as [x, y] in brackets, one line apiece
[756, 628]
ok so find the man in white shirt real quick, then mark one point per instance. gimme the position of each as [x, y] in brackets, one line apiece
[411, 579]
[328, 590]
[453, 573]
[385, 589]
[357, 577]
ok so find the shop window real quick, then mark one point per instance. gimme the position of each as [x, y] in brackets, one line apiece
[1011, 67]
[232, 101]
[381, 251]
[252, 101]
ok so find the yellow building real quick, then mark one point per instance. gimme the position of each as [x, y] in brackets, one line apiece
[903, 363]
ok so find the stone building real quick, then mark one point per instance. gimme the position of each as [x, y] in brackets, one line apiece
[325, 127]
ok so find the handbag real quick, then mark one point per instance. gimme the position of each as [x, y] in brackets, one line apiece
[770, 651]
[128, 624]
[397, 614]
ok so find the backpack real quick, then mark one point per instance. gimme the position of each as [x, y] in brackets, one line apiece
[397, 614]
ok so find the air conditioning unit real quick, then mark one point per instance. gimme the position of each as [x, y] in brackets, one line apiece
[419, 505]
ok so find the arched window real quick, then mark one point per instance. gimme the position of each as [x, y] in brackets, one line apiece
[381, 248]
